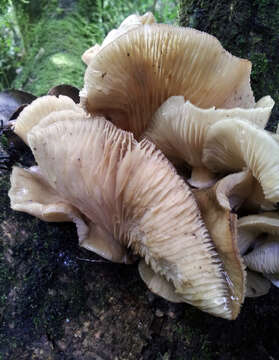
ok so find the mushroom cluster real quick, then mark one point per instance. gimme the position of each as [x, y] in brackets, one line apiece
[166, 161]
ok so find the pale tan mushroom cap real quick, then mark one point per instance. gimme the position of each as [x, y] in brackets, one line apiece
[132, 76]
[32, 114]
[130, 23]
[179, 128]
[134, 196]
[31, 193]
[89, 53]
[232, 145]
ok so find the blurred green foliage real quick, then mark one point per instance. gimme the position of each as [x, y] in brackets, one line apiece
[21, 20]
[10, 45]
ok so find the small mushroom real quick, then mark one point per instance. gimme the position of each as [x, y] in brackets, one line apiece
[179, 129]
[258, 243]
[39, 109]
[253, 226]
[233, 145]
[128, 79]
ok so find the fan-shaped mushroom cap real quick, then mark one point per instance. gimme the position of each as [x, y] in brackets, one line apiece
[179, 129]
[131, 193]
[31, 193]
[39, 109]
[256, 285]
[130, 23]
[133, 75]
[222, 227]
[234, 145]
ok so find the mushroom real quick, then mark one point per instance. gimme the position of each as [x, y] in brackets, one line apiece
[252, 226]
[222, 226]
[260, 232]
[128, 79]
[129, 196]
[236, 145]
[130, 23]
[39, 109]
[233, 190]
[179, 129]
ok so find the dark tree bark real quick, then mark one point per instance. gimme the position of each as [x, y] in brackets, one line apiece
[246, 28]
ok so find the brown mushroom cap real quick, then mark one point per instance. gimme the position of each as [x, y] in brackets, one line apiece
[131, 196]
[232, 145]
[133, 75]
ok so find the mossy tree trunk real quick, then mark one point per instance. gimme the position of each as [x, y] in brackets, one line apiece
[246, 28]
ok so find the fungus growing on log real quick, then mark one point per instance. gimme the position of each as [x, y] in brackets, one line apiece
[183, 99]
[179, 129]
[234, 145]
[123, 195]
